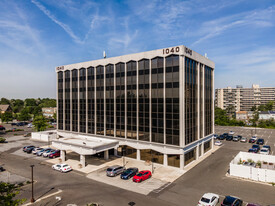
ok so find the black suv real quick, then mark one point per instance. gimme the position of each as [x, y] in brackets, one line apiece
[229, 138]
[260, 141]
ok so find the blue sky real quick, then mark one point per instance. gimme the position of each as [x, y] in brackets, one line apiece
[38, 35]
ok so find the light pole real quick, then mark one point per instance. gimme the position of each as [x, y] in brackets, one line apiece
[32, 199]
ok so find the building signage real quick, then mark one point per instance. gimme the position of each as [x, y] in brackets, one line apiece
[171, 50]
[188, 51]
[61, 68]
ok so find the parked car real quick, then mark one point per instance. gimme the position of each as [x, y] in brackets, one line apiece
[19, 124]
[62, 167]
[256, 147]
[2, 169]
[252, 204]
[260, 141]
[268, 147]
[37, 149]
[229, 138]
[264, 151]
[130, 172]
[210, 199]
[236, 139]
[2, 127]
[243, 139]
[24, 148]
[225, 134]
[252, 140]
[232, 201]
[114, 170]
[13, 124]
[231, 133]
[55, 154]
[221, 137]
[48, 152]
[30, 125]
[218, 143]
[29, 149]
[252, 150]
[142, 175]
[39, 153]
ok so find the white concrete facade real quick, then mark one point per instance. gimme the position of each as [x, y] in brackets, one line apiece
[164, 148]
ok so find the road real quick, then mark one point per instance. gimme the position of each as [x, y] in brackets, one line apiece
[208, 176]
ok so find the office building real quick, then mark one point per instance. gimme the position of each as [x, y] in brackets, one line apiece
[156, 105]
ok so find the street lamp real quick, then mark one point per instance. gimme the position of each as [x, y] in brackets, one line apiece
[32, 199]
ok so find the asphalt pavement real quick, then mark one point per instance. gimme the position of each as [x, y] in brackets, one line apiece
[207, 176]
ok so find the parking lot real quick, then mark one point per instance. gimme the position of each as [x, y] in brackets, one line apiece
[207, 176]
[267, 134]
[210, 175]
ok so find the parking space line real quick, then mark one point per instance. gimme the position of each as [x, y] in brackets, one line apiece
[266, 142]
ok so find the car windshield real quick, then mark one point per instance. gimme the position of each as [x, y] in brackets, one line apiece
[255, 146]
[139, 174]
[228, 200]
[127, 171]
[264, 150]
[109, 169]
[65, 165]
[203, 199]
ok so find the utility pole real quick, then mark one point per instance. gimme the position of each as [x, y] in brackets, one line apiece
[32, 199]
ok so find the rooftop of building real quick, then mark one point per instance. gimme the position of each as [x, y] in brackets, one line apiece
[4, 107]
[164, 52]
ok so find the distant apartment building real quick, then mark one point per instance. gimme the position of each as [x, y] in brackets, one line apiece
[48, 111]
[243, 99]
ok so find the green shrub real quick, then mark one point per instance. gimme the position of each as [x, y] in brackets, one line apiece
[2, 140]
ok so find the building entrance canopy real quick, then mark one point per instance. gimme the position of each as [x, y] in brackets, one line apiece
[85, 145]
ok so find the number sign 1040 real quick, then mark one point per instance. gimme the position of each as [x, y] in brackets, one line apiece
[171, 50]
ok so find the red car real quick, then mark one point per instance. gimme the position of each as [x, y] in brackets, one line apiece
[142, 175]
[55, 154]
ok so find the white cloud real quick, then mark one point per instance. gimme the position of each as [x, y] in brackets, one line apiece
[65, 27]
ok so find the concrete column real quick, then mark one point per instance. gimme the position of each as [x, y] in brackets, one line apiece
[181, 161]
[138, 154]
[212, 143]
[82, 161]
[63, 156]
[202, 148]
[165, 159]
[197, 151]
[106, 154]
[115, 151]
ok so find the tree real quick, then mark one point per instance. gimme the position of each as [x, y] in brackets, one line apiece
[4, 101]
[255, 118]
[54, 116]
[24, 115]
[269, 106]
[40, 123]
[261, 107]
[6, 117]
[17, 105]
[30, 102]
[7, 194]
[46, 102]
[254, 108]
[230, 110]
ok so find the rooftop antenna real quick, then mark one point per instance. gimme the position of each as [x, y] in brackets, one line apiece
[104, 54]
[205, 55]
